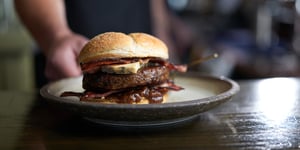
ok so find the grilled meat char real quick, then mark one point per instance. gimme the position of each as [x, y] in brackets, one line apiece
[106, 81]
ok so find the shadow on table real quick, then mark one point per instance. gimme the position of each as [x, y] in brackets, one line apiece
[52, 128]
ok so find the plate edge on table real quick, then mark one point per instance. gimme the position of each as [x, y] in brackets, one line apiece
[231, 92]
[177, 109]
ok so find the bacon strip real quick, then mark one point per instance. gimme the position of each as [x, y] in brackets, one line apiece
[99, 95]
[179, 68]
[70, 93]
[171, 86]
[92, 67]
[89, 94]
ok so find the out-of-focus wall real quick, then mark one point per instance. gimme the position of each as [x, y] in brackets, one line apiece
[254, 38]
[16, 59]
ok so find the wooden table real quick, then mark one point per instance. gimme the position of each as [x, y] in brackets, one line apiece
[265, 114]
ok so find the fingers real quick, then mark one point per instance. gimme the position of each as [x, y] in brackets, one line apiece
[81, 41]
[61, 69]
[62, 61]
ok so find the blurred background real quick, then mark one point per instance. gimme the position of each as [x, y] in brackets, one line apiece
[16, 56]
[254, 39]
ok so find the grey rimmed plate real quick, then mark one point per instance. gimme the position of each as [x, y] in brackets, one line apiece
[200, 94]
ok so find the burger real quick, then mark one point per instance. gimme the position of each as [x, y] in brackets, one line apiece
[126, 68]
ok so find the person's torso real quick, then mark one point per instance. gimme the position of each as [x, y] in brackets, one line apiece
[92, 17]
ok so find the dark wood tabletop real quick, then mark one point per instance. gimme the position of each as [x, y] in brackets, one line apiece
[265, 114]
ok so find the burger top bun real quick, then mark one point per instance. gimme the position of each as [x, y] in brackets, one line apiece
[120, 45]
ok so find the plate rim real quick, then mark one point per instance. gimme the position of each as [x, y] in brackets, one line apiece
[235, 88]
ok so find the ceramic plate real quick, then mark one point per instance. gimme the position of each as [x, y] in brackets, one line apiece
[200, 94]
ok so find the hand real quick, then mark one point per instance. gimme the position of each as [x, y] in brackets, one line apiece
[61, 59]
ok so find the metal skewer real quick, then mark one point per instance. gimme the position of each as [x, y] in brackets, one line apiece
[200, 60]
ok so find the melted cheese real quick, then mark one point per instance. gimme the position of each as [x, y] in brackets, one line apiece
[123, 68]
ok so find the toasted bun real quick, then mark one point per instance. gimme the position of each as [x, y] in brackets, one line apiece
[115, 101]
[120, 45]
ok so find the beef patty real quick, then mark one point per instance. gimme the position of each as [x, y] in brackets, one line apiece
[145, 76]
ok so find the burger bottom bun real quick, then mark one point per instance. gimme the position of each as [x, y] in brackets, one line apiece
[144, 100]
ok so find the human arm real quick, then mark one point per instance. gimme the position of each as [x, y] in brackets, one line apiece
[170, 29]
[46, 21]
